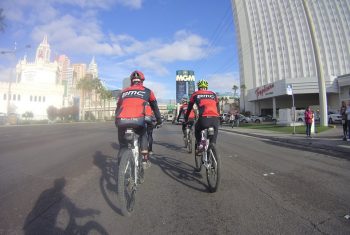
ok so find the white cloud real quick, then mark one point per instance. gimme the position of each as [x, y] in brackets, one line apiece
[223, 82]
[160, 90]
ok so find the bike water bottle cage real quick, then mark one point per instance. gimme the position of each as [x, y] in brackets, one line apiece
[211, 131]
[129, 134]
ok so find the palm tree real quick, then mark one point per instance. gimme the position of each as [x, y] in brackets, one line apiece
[86, 86]
[97, 86]
[243, 87]
[234, 88]
[105, 95]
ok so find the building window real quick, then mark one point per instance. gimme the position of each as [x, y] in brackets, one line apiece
[43, 98]
[34, 98]
[18, 97]
[14, 97]
[39, 98]
[4, 96]
[31, 98]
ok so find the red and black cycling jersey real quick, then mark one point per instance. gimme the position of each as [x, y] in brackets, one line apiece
[182, 112]
[133, 100]
[207, 103]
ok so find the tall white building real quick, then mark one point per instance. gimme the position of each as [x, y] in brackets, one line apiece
[35, 88]
[276, 49]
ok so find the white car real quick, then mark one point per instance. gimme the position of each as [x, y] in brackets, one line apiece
[244, 119]
[256, 119]
[334, 118]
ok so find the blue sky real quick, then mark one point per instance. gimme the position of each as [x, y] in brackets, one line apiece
[157, 37]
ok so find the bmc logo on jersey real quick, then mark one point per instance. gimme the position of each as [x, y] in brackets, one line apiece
[206, 97]
[139, 94]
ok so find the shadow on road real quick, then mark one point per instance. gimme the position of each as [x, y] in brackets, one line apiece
[109, 179]
[180, 171]
[54, 213]
[115, 145]
[171, 146]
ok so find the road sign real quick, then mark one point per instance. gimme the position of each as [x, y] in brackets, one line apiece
[289, 89]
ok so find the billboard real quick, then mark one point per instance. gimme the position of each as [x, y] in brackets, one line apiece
[180, 90]
[185, 84]
[185, 75]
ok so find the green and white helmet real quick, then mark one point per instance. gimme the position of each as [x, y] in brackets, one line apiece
[202, 84]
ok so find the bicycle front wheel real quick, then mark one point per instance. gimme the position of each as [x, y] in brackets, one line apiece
[126, 182]
[198, 161]
[213, 171]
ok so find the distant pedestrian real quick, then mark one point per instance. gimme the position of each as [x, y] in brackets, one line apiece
[237, 119]
[344, 119]
[348, 119]
[308, 116]
[232, 119]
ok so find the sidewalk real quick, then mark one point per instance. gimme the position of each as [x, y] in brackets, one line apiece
[329, 141]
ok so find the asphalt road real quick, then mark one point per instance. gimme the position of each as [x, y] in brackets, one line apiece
[59, 179]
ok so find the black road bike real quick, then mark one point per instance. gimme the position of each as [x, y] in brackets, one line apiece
[209, 158]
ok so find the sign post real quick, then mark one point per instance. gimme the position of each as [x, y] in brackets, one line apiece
[290, 92]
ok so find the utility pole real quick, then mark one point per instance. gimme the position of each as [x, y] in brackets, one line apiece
[320, 74]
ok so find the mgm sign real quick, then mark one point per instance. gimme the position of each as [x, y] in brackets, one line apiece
[184, 84]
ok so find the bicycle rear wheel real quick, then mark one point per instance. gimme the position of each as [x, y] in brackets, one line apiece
[213, 171]
[126, 182]
[189, 145]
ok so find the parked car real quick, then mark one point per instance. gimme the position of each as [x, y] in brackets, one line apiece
[256, 119]
[268, 118]
[244, 119]
[334, 118]
[224, 117]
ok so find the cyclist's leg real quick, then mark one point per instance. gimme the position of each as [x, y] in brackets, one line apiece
[142, 131]
[197, 131]
[122, 142]
[190, 123]
[184, 129]
[214, 122]
[150, 137]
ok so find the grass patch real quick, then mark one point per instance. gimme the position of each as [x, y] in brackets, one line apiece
[283, 129]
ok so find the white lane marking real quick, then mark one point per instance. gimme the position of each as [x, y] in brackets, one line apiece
[347, 216]
[266, 174]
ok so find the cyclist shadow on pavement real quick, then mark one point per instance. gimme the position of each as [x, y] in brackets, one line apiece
[180, 172]
[109, 178]
[55, 213]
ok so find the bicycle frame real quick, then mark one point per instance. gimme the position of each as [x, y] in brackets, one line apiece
[133, 145]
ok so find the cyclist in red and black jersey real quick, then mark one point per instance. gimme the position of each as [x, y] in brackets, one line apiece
[208, 110]
[131, 108]
[182, 112]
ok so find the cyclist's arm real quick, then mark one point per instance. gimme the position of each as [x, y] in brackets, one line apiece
[154, 106]
[117, 109]
[189, 108]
